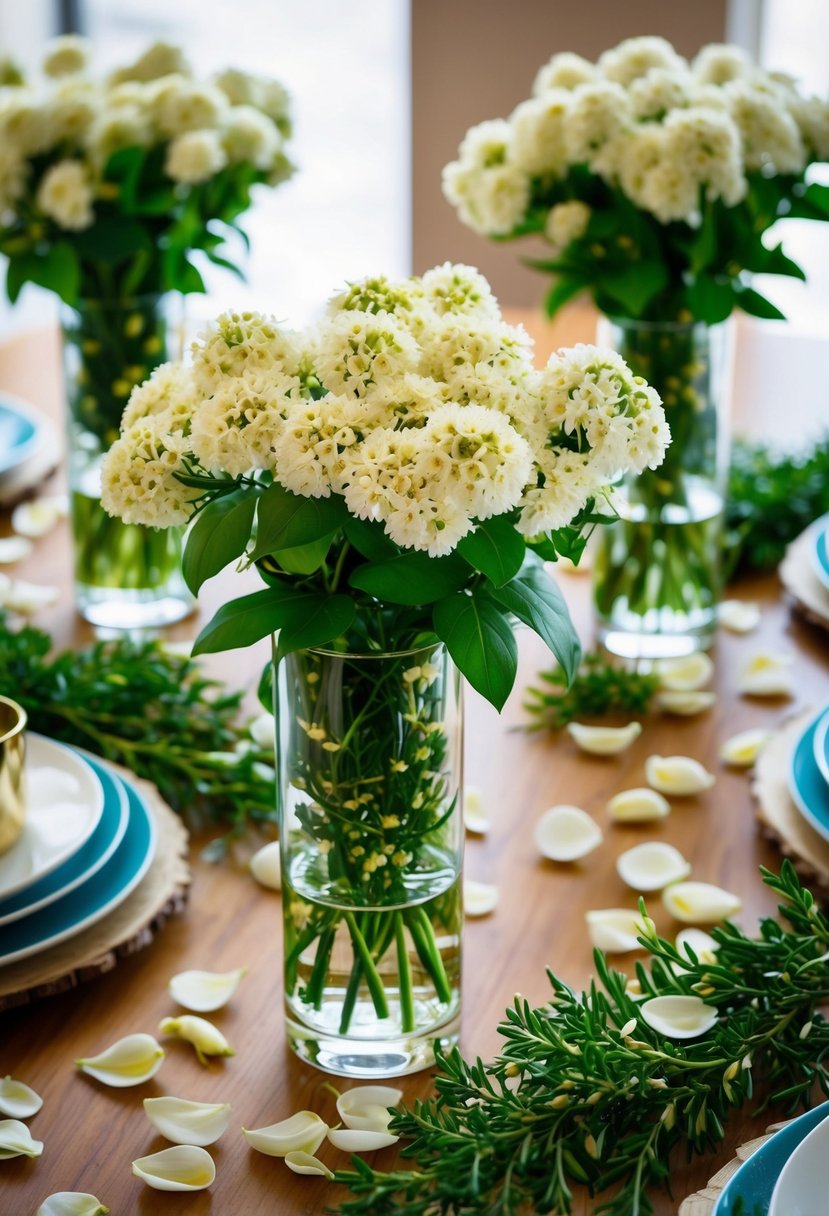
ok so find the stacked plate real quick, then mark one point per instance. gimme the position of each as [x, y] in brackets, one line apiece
[754, 1189]
[809, 773]
[88, 841]
[819, 549]
[29, 447]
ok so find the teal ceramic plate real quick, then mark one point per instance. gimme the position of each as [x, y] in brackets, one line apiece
[749, 1191]
[89, 858]
[19, 433]
[820, 551]
[93, 899]
[806, 785]
[822, 745]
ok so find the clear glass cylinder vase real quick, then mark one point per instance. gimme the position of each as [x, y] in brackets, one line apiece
[657, 572]
[369, 759]
[126, 576]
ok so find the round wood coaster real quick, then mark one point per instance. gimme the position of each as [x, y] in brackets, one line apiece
[777, 814]
[128, 928]
[798, 577]
[701, 1203]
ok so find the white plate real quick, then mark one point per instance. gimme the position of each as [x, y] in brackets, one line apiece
[802, 1186]
[64, 802]
[20, 432]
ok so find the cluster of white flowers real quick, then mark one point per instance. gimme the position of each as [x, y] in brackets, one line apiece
[668, 132]
[413, 400]
[57, 133]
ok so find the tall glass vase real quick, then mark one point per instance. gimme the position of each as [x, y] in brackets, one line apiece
[656, 570]
[369, 754]
[126, 576]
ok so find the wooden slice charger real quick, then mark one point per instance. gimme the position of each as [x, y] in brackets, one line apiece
[798, 576]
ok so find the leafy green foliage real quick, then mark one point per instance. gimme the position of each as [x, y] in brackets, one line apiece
[218, 536]
[536, 601]
[571, 1099]
[598, 688]
[481, 642]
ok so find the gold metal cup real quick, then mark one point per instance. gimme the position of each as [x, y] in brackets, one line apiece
[12, 772]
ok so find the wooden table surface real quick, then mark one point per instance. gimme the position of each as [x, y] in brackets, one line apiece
[92, 1133]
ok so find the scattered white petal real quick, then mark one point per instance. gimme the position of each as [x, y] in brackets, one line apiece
[183, 1122]
[475, 818]
[17, 1100]
[678, 775]
[16, 1140]
[205, 991]
[685, 674]
[685, 703]
[566, 833]
[479, 898]
[739, 616]
[766, 674]
[303, 1132]
[263, 731]
[679, 1017]
[183, 1168]
[181, 649]
[207, 1039]
[305, 1163]
[652, 865]
[131, 1061]
[702, 944]
[359, 1140]
[368, 1107]
[743, 749]
[604, 740]
[638, 805]
[633, 989]
[35, 519]
[614, 930]
[26, 598]
[71, 1203]
[266, 866]
[700, 902]
[14, 549]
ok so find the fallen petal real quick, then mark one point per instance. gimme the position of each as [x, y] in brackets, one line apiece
[368, 1107]
[614, 930]
[678, 775]
[16, 1140]
[638, 806]
[17, 1100]
[604, 740]
[263, 731]
[205, 991]
[359, 1140]
[566, 833]
[304, 1163]
[266, 866]
[679, 1017]
[130, 1061]
[479, 898]
[685, 674]
[701, 902]
[303, 1132]
[652, 865]
[207, 1039]
[71, 1203]
[26, 598]
[698, 941]
[183, 1122]
[685, 703]
[475, 818]
[14, 549]
[35, 519]
[766, 675]
[183, 1168]
[743, 749]
[738, 615]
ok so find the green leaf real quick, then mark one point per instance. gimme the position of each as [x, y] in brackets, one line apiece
[536, 600]
[412, 578]
[316, 619]
[709, 299]
[369, 538]
[494, 548]
[112, 239]
[313, 619]
[755, 305]
[818, 196]
[219, 534]
[57, 270]
[703, 248]
[635, 287]
[563, 289]
[303, 559]
[480, 640]
[288, 521]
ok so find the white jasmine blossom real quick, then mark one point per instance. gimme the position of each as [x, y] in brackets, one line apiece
[65, 195]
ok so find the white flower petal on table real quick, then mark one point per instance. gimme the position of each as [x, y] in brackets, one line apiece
[685, 704]
[35, 519]
[14, 549]
[263, 731]
[742, 750]
[614, 930]
[71, 1203]
[475, 818]
[131, 1061]
[652, 865]
[479, 898]
[679, 1017]
[368, 1107]
[702, 944]
[685, 674]
[266, 866]
[639, 805]
[17, 1100]
[740, 616]
[206, 1038]
[182, 1168]
[360, 1140]
[566, 833]
[679, 775]
[303, 1132]
[306, 1163]
[16, 1140]
[604, 740]
[26, 598]
[700, 902]
[766, 674]
[204, 991]
[185, 1122]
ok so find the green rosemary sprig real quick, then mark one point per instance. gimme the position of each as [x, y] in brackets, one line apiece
[140, 705]
[598, 688]
[585, 1093]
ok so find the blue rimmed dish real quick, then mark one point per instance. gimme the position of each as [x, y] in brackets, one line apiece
[819, 551]
[821, 746]
[20, 432]
[809, 791]
[749, 1191]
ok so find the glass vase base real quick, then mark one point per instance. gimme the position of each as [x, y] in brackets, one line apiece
[110, 608]
[371, 1059]
[633, 644]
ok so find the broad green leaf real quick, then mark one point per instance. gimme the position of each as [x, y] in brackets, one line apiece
[480, 640]
[112, 239]
[494, 548]
[316, 618]
[563, 289]
[57, 270]
[703, 248]
[536, 600]
[755, 305]
[369, 539]
[286, 521]
[709, 299]
[818, 195]
[635, 287]
[303, 559]
[412, 578]
[219, 534]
